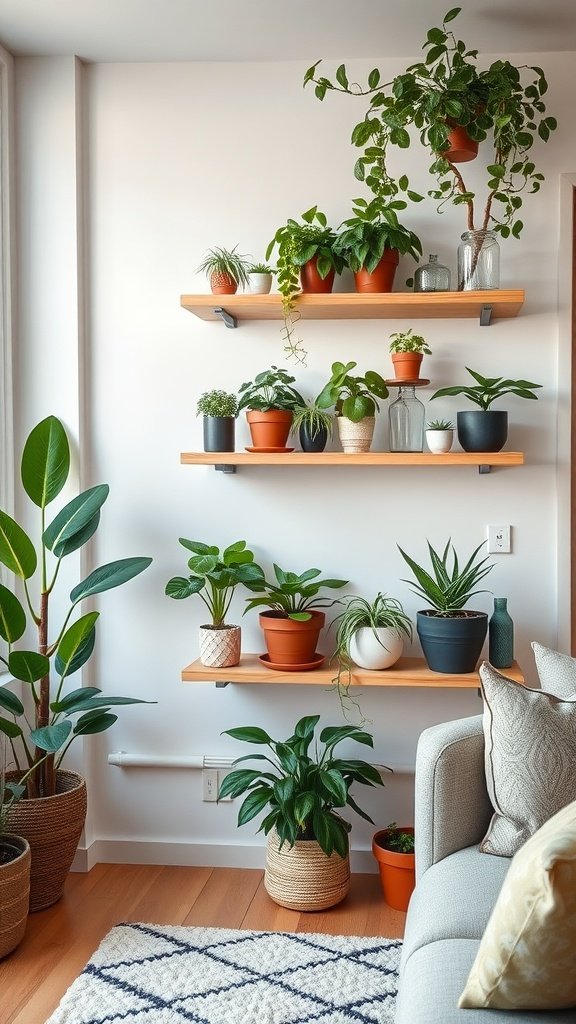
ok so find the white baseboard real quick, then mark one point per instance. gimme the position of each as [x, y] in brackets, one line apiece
[214, 855]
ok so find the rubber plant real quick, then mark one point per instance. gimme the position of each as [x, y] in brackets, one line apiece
[44, 472]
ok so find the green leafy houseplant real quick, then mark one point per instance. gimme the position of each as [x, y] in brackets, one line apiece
[293, 596]
[221, 265]
[440, 425]
[44, 471]
[447, 589]
[397, 840]
[314, 418]
[302, 790]
[406, 341]
[373, 228]
[215, 575]
[353, 397]
[217, 403]
[260, 268]
[271, 389]
[488, 389]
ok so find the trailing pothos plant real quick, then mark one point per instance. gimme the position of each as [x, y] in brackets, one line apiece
[59, 716]
[503, 103]
[302, 789]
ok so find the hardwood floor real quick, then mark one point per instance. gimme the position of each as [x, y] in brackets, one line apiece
[59, 941]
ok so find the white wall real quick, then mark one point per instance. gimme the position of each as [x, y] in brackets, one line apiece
[181, 157]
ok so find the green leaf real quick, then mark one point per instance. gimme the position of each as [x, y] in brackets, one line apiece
[335, 786]
[334, 734]
[180, 587]
[305, 727]
[374, 78]
[79, 539]
[17, 552]
[9, 728]
[253, 804]
[90, 724]
[249, 734]
[28, 665]
[303, 807]
[73, 640]
[10, 702]
[92, 703]
[51, 737]
[45, 461]
[75, 516]
[237, 782]
[453, 13]
[12, 616]
[287, 758]
[82, 655]
[436, 36]
[70, 699]
[341, 76]
[114, 574]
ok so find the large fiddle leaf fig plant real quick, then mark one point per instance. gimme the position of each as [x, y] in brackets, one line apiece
[59, 716]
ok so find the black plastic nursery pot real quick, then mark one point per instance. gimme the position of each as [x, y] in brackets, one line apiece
[219, 433]
[482, 430]
[452, 644]
[310, 442]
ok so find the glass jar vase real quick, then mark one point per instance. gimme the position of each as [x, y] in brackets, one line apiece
[406, 417]
[432, 277]
[478, 261]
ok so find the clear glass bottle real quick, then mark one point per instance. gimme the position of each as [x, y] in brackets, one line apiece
[478, 261]
[406, 416]
[432, 277]
[500, 635]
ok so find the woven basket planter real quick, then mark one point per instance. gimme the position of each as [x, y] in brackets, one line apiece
[53, 826]
[356, 437]
[14, 893]
[304, 878]
[220, 647]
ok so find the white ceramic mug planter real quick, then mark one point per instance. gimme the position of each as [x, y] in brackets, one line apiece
[439, 441]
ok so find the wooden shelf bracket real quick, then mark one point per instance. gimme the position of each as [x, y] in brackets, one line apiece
[227, 317]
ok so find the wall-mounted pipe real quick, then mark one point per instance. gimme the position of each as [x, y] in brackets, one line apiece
[125, 760]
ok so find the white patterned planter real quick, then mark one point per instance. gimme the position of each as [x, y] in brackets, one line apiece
[220, 646]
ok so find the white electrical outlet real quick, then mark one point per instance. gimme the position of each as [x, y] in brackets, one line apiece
[210, 785]
[499, 539]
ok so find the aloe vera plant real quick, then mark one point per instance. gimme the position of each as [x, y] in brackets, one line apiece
[447, 589]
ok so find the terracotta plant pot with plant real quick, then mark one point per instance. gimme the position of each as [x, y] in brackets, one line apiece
[214, 577]
[292, 621]
[37, 752]
[393, 848]
[302, 789]
[407, 351]
[371, 242]
[486, 429]
[226, 270]
[354, 399]
[270, 401]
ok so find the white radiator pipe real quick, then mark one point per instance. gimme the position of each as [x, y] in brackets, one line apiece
[125, 760]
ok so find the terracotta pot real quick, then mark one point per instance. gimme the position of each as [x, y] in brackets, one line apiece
[223, 284]
[53, 826]
[14, 891]
[461, 148]
[407, 365]
[303, 877]
[381, 279]
[289, 642]
[220, 646]
[356, 437]
[311, 281]
[397, 871]
[269, 429]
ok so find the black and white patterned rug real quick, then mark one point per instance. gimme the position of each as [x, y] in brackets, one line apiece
[143, 974]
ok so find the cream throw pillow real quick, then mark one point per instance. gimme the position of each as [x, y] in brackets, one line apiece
[556, 672]
[526, 957]
[530, 759]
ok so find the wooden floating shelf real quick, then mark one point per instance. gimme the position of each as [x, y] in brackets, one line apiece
[483, 306]
[233, 459]
[411, 672]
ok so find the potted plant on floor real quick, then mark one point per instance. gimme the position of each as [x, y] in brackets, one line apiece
[219, 409]
[313, 426]
[226, 269]
[439, 436]
[214, 577]
[354, 399]
[393, 848]
[306, 259]
[270, 401]
[302, 791]
[292, 622]
[407, 351]
[14, 869]
[51, 813]
[260, 278]
[485, 429]
[369, 634]
[372, 241]
[451, 636]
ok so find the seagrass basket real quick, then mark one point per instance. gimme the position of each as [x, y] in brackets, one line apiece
[53, 826]
[304, 877]
[14, 893]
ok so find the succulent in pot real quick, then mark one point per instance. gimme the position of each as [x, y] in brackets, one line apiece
[393, 848]
[407, 350]
[214, 577]
[485, 429]
[270, 400]
[313, 426]
[220, 409]
[371, 242]
[439, 436]
[293, 621]
[355, 401]
[260, 277]
[226, 270]
[302, 789]
[451, 636]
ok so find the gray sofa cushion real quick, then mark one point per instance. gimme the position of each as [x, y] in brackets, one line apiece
[431, 983]
[454, 899]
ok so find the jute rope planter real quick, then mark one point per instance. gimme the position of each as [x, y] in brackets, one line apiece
[14, 893]
[356, 437]
[304, 877]
[53, 826]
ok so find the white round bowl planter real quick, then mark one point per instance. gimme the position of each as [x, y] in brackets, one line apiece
[439, 441]
[376, 648]
[259, 284]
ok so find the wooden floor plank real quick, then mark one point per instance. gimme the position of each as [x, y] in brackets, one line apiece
[225, 898]
[171, 898]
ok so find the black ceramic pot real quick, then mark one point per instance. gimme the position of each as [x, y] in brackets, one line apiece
[219, 433]
[452, 644]
[312, 443]
[482, 431]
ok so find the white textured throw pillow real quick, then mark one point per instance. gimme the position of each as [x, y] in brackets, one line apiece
[529, 758]
[525, 960]
[556, 672]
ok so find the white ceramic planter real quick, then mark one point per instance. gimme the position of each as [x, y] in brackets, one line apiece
[220, 647]
[375, 649]
[259, 284]
[356, 437]
[439, 441]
